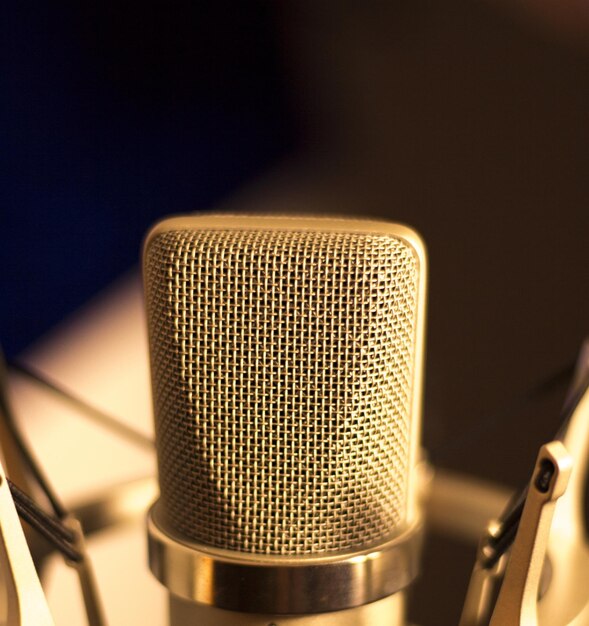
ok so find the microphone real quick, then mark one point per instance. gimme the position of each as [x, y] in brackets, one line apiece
[286, 361]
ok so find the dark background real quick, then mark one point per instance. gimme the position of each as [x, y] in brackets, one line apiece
[115, 114]
[466, 120]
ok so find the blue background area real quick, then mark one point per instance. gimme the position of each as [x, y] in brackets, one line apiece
[113, 116]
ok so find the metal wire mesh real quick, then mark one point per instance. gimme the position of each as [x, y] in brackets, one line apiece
[282, 366]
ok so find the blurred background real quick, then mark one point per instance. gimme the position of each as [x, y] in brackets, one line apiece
[468, 121]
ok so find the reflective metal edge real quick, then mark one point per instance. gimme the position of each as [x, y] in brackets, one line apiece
[282, 585]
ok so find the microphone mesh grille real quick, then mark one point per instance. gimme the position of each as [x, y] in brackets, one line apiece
[282, 366]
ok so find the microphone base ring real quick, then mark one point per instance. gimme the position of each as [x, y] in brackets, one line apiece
[282, 585]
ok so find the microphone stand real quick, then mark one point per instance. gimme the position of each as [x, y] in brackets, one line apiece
[26, 604]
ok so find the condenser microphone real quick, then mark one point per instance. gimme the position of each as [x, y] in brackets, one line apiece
[286, 359]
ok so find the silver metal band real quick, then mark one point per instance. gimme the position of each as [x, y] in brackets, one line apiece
[281, 585]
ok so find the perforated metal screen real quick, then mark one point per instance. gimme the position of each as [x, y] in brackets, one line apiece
[282, 367]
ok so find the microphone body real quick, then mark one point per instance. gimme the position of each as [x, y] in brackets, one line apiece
[389, 611]
[287, 358]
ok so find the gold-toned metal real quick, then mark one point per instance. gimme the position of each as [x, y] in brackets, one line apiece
[281, 585]
[24, 600]
[566, 602]
[482, 587]
[286, 362]
[389, 611]
[518, 597]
